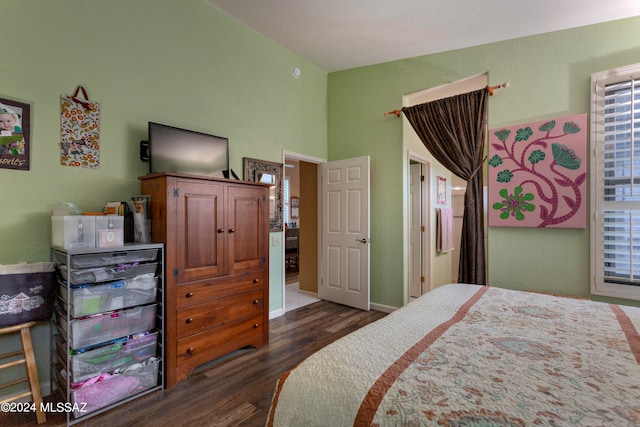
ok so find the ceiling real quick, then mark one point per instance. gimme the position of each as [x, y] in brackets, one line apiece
[343, 34]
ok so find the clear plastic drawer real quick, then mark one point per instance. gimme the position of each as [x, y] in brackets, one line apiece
[108, 326]
[116, 356]
[89, 299]
[108, 258]
[104, 274]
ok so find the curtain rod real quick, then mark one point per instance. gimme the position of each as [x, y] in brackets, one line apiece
[490, 89]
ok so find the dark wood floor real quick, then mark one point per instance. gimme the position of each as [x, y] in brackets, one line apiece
[235, 390]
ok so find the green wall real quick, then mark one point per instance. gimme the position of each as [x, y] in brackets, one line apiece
[549, 76]
[182, 63]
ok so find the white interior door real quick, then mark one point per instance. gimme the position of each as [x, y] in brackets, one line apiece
[415, 230]
[344, 271]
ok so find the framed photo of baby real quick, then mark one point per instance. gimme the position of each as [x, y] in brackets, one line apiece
[14, 134]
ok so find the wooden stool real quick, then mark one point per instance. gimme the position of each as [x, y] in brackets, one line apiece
[32, 370]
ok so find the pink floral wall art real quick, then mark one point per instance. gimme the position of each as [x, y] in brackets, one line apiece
[537, 174]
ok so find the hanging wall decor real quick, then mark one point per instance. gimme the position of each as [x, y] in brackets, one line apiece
[441, 191]
[268, 173]
[14, 134]
[79, 131]
[537, 174]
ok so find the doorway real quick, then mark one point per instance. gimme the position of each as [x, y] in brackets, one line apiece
[457, 204]
[300, 231]
[419, 208]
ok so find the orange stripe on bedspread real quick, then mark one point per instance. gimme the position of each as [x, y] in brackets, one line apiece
[633, 338]
[276, 395]
[374, 397]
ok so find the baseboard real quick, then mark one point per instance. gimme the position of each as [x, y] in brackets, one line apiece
[377, 307]
[311, 294]
[383, 308]
[276, 313]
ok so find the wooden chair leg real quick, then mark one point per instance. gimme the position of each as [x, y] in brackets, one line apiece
[32, 372]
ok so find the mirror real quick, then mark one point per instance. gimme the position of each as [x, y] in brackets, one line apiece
[269, 173]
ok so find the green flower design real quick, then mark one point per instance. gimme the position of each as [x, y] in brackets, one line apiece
[495, 161]
[504, 176]
[571, 127]
[514, 205]
[537, 156]
[502, 134]
[565, 156]
[547, 126]
[523, 134]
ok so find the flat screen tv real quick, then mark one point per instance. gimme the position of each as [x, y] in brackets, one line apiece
[178, 150]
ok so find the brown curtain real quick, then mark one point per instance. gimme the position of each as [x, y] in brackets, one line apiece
[454, 131]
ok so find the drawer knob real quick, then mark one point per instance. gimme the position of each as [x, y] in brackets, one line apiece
[256, 325]
[256, 302]
[232, 230]
[190, 350]
[189, 320]
[256, 280]
[220, 230]
[189, 294]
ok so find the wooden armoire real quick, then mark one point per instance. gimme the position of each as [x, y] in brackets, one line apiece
[216, 236]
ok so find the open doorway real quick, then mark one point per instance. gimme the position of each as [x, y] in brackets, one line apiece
[419, 229]
[301, 231]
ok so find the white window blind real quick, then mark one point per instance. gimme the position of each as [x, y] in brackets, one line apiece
[287, 218]
[615, 228]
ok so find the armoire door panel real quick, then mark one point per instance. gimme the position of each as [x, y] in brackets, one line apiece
[245, 239]
[200, 213]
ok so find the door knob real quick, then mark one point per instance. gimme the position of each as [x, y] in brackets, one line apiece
[363, 240]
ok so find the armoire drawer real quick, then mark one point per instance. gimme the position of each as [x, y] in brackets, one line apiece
[197, 349]
[220, 312]
[204, 291]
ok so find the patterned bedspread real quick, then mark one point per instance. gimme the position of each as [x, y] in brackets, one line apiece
[467, 355]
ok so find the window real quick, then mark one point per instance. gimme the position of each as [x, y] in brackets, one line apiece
[287, 218]
[615, 183]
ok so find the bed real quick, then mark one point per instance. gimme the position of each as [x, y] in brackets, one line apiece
[474, 355]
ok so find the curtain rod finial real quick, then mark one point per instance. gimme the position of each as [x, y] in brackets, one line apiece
[491, 89]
